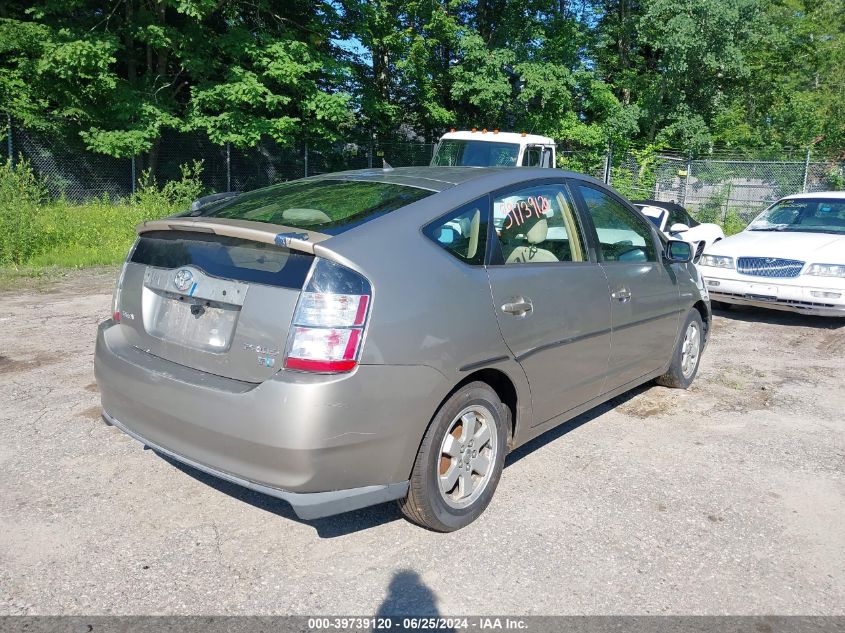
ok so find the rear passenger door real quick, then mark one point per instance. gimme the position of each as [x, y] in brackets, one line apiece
[644, 290]
[550, 296]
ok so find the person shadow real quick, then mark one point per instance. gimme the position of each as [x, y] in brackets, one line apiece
[408, 596]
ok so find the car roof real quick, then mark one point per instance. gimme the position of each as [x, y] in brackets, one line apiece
[669, 206]
[439, 179]
[817, 194]
[498, 137]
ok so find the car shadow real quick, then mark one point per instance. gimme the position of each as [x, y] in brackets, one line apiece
[365, 518]
[329, 527]
[754, 314]
[559, 431]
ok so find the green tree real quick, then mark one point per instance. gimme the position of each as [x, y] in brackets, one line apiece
[122, 72]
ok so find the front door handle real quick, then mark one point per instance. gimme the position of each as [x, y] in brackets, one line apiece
[622, 295]
[518, 306]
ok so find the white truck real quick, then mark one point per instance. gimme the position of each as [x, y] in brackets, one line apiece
[485, 148]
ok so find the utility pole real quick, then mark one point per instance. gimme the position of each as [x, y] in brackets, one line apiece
[9, 140]
[228, 166]
[806, 169]
[686, 179]
[608, 161]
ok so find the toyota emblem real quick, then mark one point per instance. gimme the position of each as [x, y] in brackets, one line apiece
[183, 279]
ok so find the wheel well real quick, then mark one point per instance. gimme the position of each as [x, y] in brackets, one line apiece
[503, 387]
[705, 317]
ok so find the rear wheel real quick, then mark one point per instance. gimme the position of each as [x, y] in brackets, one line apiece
[687, 355]
[459, 462]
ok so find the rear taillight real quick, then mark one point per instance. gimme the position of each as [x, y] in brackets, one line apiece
[115, 303]
[330, 319]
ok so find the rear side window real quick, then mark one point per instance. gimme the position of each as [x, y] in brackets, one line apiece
[225, 257]
[324, 206]
[537, 225]
[462, 232]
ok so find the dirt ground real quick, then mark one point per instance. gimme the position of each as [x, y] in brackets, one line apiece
[726, 498]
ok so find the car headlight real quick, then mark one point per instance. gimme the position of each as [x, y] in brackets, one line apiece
[716, 261]
[826, 270]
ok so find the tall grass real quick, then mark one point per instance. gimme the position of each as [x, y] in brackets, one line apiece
[36, 232]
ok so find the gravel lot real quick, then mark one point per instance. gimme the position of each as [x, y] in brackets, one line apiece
[727, 498]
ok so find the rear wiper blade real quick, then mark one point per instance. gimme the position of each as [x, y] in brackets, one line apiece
[198, 205]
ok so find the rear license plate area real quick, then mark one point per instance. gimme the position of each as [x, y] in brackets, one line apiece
[189, 322]
[203, 316]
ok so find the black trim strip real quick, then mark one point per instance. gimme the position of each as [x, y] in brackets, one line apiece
[641, 321]
[483, 363]
[575, 339]
[560, 343]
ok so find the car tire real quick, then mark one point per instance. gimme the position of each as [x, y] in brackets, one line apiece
[434, 500]
[687, 355]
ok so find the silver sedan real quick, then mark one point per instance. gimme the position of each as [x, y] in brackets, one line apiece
[377, 335]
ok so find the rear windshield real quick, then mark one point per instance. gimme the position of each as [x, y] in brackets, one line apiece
[324, 206]
[225, 257]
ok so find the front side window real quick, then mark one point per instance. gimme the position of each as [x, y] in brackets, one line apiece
[538, 224]
[324, 206]
[531, 156]
[678, 215]
[463, 232]
[623, 236]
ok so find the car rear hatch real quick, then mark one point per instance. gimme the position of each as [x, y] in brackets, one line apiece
[215, 295]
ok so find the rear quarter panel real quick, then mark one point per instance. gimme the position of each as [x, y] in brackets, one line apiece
[428, 308]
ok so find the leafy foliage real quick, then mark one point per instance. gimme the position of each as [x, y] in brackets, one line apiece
[751, 75]
[37, 233]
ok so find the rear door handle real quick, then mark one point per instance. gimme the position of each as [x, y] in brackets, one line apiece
[622, 295]
[519, 306]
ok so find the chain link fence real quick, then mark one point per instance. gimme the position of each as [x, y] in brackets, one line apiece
[721, 190]
[726, 191]
[716, 189]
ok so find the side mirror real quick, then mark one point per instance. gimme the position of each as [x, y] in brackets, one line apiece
[678, 252]
[678, 228]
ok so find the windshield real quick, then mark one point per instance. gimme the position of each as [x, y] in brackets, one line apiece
[655, 214]
[325, 206]
[816, 215]
[475, 154]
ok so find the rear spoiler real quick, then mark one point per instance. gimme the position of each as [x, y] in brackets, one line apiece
[289, 237]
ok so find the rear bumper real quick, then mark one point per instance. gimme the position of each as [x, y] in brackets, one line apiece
[775, 294]
[313, 505]
[326, 444]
